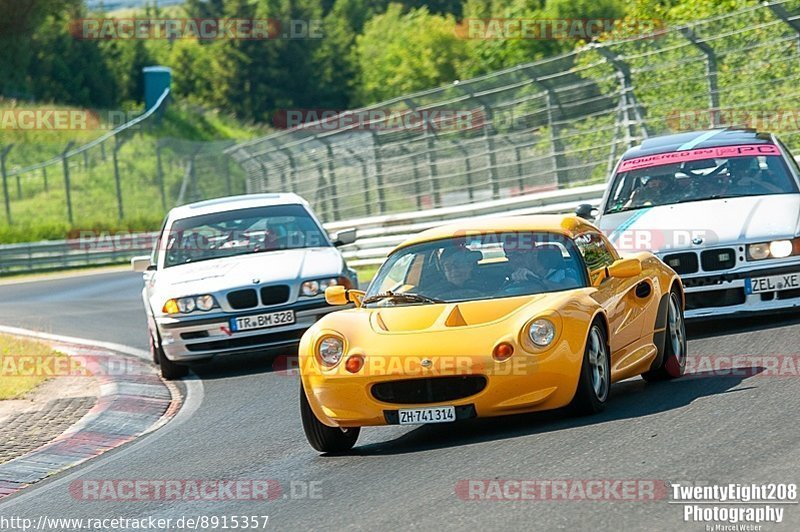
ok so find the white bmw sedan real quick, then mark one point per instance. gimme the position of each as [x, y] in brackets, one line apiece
[721, 207]
[236, 275]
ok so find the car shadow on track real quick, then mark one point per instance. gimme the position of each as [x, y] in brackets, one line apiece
[226, 367]
[629, 399]
[696, 330]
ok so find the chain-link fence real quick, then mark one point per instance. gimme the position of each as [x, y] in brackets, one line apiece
[127, 176]
[554, 123]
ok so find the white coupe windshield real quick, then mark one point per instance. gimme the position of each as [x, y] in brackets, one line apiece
[226, 234]
[700, 180]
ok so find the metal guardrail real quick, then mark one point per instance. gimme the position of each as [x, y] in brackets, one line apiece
[377, 234]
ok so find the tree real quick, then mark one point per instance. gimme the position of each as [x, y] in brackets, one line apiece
[400, 53]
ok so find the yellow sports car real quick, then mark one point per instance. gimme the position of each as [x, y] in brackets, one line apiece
[500, 316]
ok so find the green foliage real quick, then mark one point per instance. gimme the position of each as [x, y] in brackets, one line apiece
[404, 52]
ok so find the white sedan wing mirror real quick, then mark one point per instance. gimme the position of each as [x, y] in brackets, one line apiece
[141, 263]
[344, 237]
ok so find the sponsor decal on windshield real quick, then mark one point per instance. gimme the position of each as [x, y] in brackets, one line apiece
[660, 159]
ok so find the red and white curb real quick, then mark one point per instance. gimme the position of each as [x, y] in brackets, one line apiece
[133, 401]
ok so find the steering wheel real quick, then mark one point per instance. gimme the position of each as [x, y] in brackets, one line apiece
[530, 285]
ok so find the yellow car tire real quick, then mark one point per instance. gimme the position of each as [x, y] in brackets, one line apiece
[321, 437]
[594, 383]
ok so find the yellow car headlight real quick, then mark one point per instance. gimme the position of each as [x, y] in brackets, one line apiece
[542, 332]
[330, 350]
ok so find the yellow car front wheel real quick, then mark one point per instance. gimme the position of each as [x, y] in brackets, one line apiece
[321, 437]
[595, 376]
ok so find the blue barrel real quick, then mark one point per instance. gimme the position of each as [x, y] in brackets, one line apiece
[156, 80]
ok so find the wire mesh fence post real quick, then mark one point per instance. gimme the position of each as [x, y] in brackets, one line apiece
[780, 12]
[626, 94]
[65, 166]
[467, 171]
[292, 167]
[117, 181]
[376, 154]
[44, 176]
[160, 176]
[488, 137]
[333, 194]
[711, 73]
[226, 170]
[417, 184]
[6, 199]
[556, 146]
[322, 190]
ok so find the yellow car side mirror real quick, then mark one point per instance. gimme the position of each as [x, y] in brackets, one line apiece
[624, 268]
[339, 295]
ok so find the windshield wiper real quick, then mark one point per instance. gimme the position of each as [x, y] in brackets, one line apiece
[407, 297]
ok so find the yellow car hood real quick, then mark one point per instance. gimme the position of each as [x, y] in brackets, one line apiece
[429, 318]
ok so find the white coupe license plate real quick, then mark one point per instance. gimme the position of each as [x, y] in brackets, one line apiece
[417, 416]
[790, 281]
[262, 321]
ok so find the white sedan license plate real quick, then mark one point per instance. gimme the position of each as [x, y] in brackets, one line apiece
[417, 416]
[790, 281]
[262, 321]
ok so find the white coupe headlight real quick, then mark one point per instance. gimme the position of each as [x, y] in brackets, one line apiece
[330, 350]
[780, 249]
[542, 332]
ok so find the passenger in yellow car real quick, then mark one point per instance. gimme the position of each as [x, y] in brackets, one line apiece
[545, 265]
[458, 265]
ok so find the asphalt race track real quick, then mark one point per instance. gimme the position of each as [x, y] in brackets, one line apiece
[709, 429]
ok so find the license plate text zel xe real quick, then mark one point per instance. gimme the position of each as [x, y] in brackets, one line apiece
[758, 285]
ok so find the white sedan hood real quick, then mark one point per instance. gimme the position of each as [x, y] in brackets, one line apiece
[270, 267]
[710, 223]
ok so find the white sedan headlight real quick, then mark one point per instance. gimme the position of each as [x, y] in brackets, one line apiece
[205, 302]
[777, 249]
[542, 332]
[313, 288]
[780, 249]
[186, 305]
[309, 288]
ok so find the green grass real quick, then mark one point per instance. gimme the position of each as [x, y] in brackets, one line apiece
[18, 356]
[40, 213]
